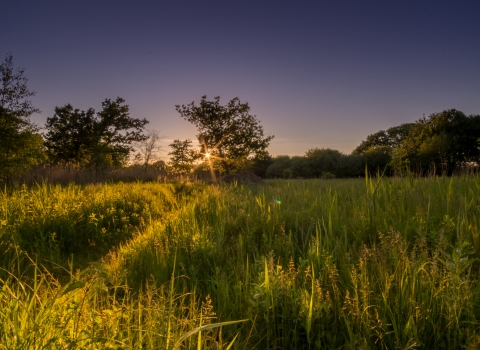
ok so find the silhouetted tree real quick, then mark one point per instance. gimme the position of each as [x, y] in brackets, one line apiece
[349, 166]
[14, 91]
[323, 160]
[148, 148]
[392, 137]
[231, 135]
[183, 156]
[443, 141]
[377, 159]
[20, 144]
[88, 139]
[260, 165]
[280, 167]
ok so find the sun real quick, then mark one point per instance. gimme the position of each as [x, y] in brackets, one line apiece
[207, 155]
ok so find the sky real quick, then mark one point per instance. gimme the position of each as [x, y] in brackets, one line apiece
[317, 74]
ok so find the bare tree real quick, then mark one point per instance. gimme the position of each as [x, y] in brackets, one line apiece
[148, 149]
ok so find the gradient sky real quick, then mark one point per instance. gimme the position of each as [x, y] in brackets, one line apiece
[316, 73]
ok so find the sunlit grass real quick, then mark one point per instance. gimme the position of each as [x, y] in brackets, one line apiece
[361, 263]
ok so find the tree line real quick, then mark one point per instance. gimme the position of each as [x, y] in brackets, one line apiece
[230, 139]
[441, 144]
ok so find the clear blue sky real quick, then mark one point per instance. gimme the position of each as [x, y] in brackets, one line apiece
[316, 73]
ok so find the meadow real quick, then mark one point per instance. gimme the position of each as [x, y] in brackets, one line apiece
[372, 263]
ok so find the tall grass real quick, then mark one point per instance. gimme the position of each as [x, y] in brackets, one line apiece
[90, 313]
[79, 223]
[366, 263]
[386, 263]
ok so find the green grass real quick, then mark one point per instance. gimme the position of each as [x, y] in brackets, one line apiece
[339, 264]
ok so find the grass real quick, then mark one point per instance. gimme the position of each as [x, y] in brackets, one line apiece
[341, 264]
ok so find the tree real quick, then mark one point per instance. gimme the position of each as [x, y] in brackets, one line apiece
[182, 156]
[300, 167]
[349, 165]
[392, 137]
[377, 159]
[260, 165]
[323, 160]
[88, 139]
[70, 135]
[281, 167]
[148, 148]
[229, 134]
[14, 91]
[20, 144]
[444, 141]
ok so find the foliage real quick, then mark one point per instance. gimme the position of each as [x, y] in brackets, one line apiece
[14, 91]
[299, 167]
[280, 168]
[88, 139]
[21, 146]
[20, 143]
[349, 165]
[323, 160]
[392, 138]
[440, 143]
[317, 163]
[183, 156]
[231, 135]
[445, 141]
[260, 165]
[377, 159]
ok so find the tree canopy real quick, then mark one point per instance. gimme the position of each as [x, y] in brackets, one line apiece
[445, 141]
[182, 156]
[14, 92]
[441, 142]
[392, 137]
[229, 134]
[94, 139]
[20, 144]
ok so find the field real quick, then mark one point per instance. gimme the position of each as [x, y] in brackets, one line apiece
[376, 263]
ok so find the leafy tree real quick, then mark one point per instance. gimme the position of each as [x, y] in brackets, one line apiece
[183, 156]
[70, 135]
[377, 159]
[392, 137]
[20, 143]
[300, 167]
[14, 91]
[444, 141]
[349, 166]
[260, 165]
[280, 167]
[323, 160]
[88, 139]
[230, 135]
[159, 165]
